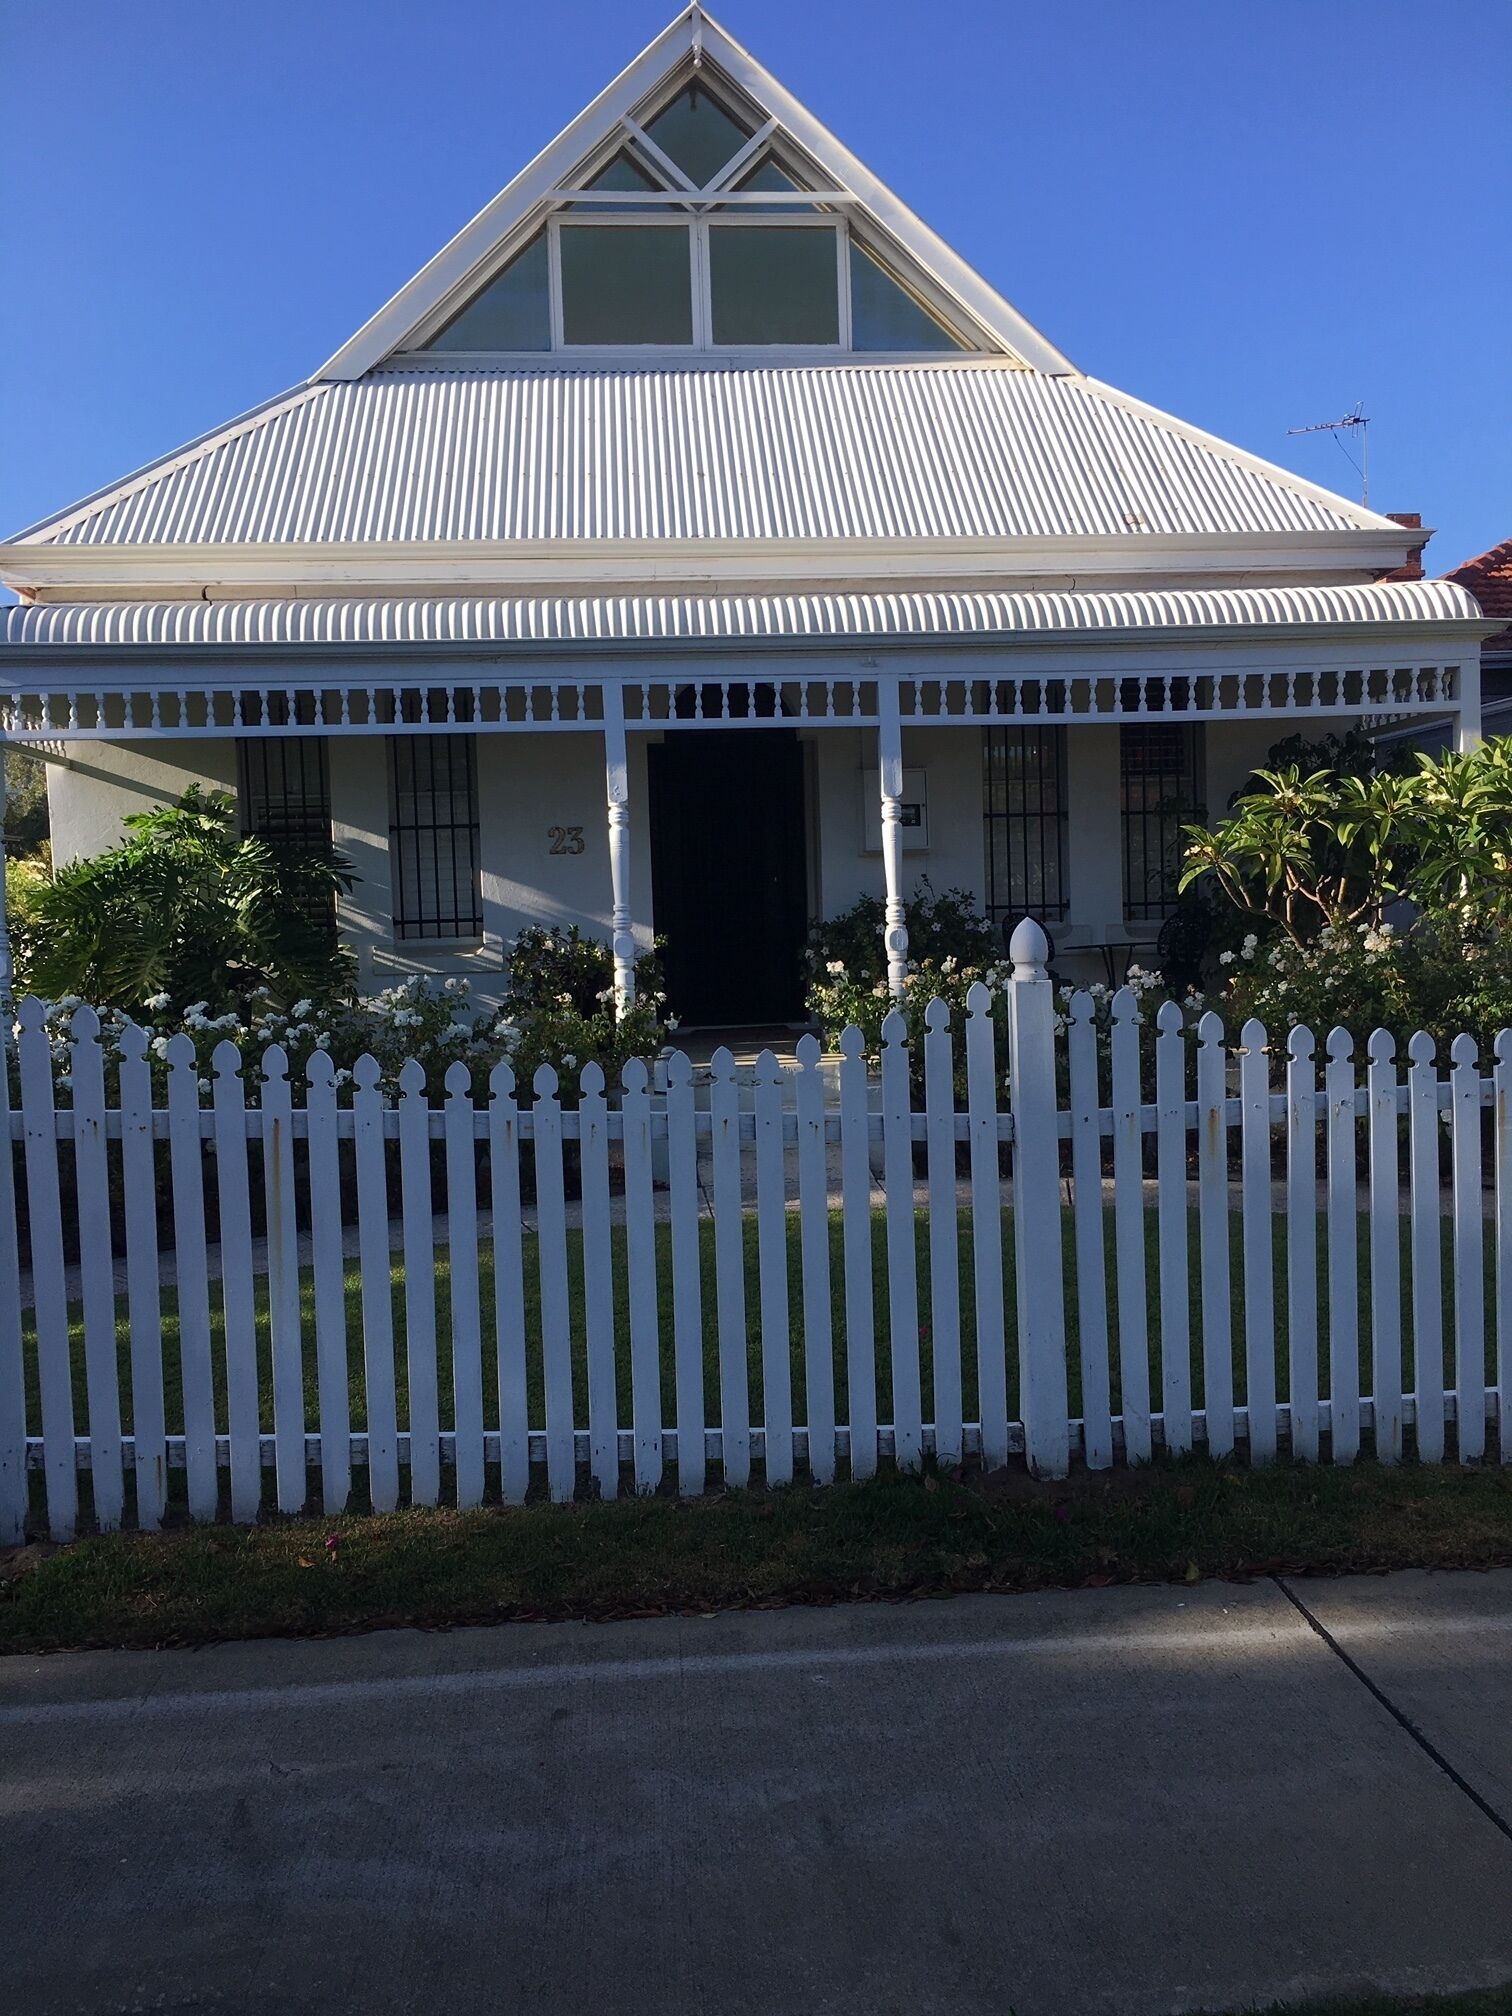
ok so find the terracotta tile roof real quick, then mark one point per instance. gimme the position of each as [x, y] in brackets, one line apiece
[1489, 578]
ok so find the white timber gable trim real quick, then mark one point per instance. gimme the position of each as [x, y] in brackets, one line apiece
[693, 42]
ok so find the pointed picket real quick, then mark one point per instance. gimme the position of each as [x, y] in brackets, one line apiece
[419, 1233]
[192, 1277]
[551, 1259]
[1385, 1251]
[987, 1230]
[49, 1298]
[233, 1195]
[640, 1264]
[14, 1488]
[1343, 1252]
[687, 1287]
[1259, 1283]
[729, 1271]
[328, 1276]
[1087, 1209]
[375, 1267]
[598, 1285]
[902, 1259]
[1469, 1253]
[509, 1285]
[466, 1316]
[856, 1249]
[1128, 1228]
[1502, 1153]
[1171, 1225]
[96, 1269]
[1213, 1235]
[143, 1284]
[283, 1282]
[1302, 1242]
[771, 1262]
[944, 1257]
[1427, 1261]
[813, 1216]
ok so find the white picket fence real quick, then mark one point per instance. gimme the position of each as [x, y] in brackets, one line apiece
[629, 1273]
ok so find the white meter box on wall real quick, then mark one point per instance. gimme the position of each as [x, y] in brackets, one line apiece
[915, 802]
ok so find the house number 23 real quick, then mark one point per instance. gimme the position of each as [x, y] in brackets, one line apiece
[566, 839]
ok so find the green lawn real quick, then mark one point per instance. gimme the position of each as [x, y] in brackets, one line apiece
[1478, 2002]
[710, 1340]
[894, 1536]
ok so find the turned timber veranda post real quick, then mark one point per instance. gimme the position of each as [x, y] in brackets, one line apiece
[617, 792]
[890, 771]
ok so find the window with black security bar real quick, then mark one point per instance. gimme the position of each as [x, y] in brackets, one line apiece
[1024, 812]
[1161, 783]
[283, 793]
[433, 834]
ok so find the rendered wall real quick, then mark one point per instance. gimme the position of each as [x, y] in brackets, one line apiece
[103, 782]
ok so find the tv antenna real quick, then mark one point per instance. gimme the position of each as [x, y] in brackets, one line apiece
[1338, 428]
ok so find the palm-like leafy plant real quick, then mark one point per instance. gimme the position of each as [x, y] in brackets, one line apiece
[186, 907]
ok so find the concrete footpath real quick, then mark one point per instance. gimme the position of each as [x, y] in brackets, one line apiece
[1119, 1801]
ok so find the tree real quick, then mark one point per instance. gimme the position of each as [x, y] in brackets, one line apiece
[188, 909]
[1305, 851]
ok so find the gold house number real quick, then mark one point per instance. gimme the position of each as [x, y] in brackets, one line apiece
[566, 839]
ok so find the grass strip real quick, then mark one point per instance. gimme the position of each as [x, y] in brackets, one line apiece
[1477, 2002]
[893, 1538]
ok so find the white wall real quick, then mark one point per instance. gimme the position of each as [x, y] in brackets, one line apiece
[528, 784]
[89, 799]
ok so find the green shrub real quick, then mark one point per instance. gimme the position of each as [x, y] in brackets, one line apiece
[188, 909]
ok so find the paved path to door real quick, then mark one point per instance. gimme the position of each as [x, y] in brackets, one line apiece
[1100, 1804]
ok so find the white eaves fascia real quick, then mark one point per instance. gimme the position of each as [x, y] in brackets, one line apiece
[579, 566]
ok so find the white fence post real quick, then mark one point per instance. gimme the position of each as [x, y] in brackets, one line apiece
[902, 1253]
[1343, 1254]
[1036, 1205]
[1174, 1267]
[814, 1253]
[987, 1229]
[1469, 1253]
[1427, 1261]
[14, 1489]
[291, 1477]
[96, 1251]
[50, 1303]
[243, 1427]
[687, 1279]
[598, 1283]
[856, 1234]
[944, 1261]
[1502, 1153]
[1385, 1250]
[1128, 1228]
[1213, 1236]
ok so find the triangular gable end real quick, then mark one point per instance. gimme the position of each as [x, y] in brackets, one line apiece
[692, 117]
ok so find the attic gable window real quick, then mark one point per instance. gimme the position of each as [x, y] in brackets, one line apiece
[695, 233]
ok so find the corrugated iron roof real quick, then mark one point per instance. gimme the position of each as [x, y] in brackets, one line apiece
[653, 619]
[833, 451]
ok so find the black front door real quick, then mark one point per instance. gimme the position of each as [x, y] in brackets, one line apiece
[728, 875]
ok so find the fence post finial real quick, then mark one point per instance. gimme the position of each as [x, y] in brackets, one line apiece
[1029, 949]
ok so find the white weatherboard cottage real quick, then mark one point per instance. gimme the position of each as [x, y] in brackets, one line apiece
[694, 545]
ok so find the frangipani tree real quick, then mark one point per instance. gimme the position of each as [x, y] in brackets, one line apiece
[1325, 850]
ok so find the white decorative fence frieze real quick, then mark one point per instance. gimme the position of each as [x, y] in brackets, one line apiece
[259, 1290]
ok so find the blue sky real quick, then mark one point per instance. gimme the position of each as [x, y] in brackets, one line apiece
[1251, 212]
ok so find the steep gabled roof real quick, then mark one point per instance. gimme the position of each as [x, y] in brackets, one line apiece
[388, 455]
[693, 42]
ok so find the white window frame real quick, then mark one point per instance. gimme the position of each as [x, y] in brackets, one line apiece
[699, 280]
